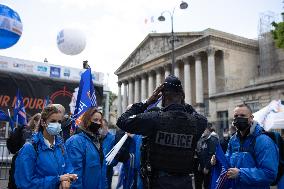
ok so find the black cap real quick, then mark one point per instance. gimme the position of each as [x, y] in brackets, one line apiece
[172, 83]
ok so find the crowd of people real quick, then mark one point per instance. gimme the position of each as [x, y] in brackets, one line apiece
[166, 147]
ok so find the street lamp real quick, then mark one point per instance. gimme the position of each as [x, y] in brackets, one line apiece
[183, 5]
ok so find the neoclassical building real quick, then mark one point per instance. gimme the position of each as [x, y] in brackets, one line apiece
[218, 71]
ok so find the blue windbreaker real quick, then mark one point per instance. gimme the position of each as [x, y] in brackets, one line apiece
[41, 168]
[108, 143]
[280, 184]
[85, 159]
[258, 164]
[130, 176]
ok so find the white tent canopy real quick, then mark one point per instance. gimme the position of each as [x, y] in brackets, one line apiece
[271, 116]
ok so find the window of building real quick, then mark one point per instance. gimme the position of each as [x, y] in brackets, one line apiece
[254, 105]
[222, 120]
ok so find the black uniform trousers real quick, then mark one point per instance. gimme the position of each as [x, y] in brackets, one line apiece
[172, 182]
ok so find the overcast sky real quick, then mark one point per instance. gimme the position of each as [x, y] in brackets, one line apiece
[114, 28]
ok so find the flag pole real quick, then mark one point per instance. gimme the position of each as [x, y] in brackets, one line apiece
[9, 114]
[7, 127]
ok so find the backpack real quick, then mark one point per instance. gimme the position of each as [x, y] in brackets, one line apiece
[12, 183]
[278, 140]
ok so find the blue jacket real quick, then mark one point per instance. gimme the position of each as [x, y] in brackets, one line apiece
[130, 176]
[108, 143]
[138, 141]
[280, 184]
[258, 164]
[41, 168]
[85, 159]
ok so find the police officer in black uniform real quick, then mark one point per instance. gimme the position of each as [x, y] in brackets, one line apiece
[173, 132]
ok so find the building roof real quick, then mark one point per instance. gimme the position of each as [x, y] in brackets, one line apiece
[196, 35]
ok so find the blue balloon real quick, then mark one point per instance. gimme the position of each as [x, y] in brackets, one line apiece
[10, 27]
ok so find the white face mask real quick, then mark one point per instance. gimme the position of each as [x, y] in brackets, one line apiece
[53, 128]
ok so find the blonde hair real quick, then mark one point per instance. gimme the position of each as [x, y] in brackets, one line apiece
[60, 108]
[46, 113]
[31, 123]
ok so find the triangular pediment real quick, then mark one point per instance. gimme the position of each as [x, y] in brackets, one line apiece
[155, 45]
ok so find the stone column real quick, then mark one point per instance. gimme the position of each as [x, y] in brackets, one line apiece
[167, 71]
[176, 70]
[125, 99]
[158, 77]
[198, 79]
[119, 103]
[187, 81]
[136, 88]
[143, 87]
[211, 71]
[131, 91]
[150, 83]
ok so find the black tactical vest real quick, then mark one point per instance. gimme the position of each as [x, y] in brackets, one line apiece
[172, 147]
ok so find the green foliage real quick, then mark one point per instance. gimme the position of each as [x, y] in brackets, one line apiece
[278, 34]
[112, 97]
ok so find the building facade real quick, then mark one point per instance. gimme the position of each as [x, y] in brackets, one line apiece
[218, 71]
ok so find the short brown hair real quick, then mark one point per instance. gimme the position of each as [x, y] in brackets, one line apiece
[245, 105]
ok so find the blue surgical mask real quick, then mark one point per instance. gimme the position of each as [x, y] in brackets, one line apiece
[53, 128]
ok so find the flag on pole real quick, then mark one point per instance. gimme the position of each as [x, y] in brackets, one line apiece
[5, 117]
[149, 20]
[145, 21]
[152, 19]
[86, 97]
[19, 111]
[219, 178]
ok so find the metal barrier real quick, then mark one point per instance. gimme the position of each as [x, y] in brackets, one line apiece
[5, 160]
[5, 155]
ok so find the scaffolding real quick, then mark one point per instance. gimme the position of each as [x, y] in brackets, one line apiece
[268, 64]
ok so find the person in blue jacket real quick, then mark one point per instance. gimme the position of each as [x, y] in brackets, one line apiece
[108, 140]
[130, 176]
[86, 152]
[280, 184]
[252, 156]
[43, 162]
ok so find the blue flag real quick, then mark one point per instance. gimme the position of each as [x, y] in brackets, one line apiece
[219, 178]
[19, 111]
[86, 97]
[5, 117]
[46, 102]
[154, 104]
